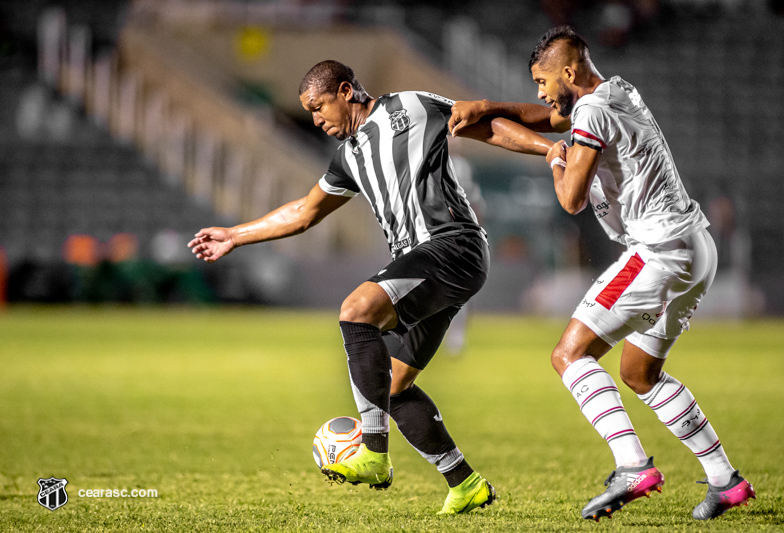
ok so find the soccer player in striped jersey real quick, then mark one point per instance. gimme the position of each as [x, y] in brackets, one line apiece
[620, 166]
[395, 154]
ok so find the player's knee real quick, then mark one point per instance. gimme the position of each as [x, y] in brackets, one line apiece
[403, 381]
[369, 305]
[352, 314]
[561, 358]
[637, 380]
[354, 309]
[399, 387]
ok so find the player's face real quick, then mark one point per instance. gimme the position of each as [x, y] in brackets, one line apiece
[330, 112]
[553, 90]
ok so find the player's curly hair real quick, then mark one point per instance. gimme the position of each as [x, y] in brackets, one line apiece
[326, 77]
[546, 44]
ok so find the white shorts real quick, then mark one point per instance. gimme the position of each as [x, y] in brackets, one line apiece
[649, 294]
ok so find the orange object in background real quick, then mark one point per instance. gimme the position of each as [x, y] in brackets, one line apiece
[123, 247]
[82, 250]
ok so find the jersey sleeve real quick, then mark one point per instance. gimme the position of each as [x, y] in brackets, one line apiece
[338, 180]
[438, 105]
[591, 127]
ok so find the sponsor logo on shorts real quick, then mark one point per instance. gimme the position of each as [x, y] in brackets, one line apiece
[401, 244]
[650, 319]
[587, 303]
[602, 210]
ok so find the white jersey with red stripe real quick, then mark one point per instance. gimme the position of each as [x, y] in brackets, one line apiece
[637, 192]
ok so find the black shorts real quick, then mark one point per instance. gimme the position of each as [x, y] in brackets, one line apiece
[428, 286]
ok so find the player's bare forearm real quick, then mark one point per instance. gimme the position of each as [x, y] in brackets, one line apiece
[287, 220]
[516, 138]
[508, 135]
[290, 219]
[572, 182]
[542, 118]
[213, 243]
[533, 116]
[572, 202]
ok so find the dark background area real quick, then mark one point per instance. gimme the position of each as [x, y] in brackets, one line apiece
[712, 72]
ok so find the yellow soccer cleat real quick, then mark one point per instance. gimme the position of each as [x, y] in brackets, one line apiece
[365, 466]
[474, 492]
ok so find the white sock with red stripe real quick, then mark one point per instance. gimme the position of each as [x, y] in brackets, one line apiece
[597, 395]
[676, 407]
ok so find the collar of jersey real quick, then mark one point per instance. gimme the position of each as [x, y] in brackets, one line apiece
[375, 106]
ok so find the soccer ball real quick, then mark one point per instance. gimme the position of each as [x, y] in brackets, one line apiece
[336, 440]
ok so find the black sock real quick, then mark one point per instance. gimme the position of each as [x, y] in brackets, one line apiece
[376, 442]
[370, 370]
[419, 420]
[458, 474]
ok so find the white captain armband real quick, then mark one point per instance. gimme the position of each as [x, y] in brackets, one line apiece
[336, 191]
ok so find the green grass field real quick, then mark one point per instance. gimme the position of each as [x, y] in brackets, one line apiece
[216, 409]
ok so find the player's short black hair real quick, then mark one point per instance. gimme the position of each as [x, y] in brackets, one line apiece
[326, 77]
[558, 33]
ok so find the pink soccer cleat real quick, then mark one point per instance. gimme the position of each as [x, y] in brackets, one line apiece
[625, 484]
[738, 491]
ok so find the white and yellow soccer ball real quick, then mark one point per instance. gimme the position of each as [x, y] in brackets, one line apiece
[337, 440]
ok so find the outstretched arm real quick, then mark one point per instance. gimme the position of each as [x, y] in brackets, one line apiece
[293, 218]
[534, 116]
[506, 134]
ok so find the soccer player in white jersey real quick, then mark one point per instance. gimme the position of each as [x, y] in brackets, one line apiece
[620, 165]
[395, 153]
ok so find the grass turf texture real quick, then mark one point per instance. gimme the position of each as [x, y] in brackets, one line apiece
[216, 410]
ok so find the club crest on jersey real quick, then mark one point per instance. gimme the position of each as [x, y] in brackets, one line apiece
[52, 493]
[399, 120]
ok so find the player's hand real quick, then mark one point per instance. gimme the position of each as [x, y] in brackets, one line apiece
[464, 114]
[211, 244]
[558, 149]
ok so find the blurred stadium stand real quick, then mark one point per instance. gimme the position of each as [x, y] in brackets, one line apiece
[157, 118]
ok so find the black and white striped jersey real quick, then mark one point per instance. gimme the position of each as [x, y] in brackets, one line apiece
[399, 159]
